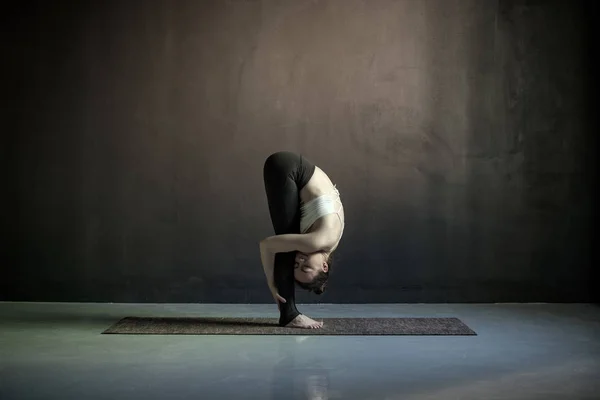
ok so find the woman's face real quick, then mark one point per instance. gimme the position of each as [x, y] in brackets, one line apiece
[308, 266]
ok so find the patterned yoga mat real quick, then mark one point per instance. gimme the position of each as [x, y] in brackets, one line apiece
[268, 326]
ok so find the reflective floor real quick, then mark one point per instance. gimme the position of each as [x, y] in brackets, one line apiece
[535, 351]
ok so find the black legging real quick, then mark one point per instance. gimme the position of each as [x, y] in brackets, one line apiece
[285, 174]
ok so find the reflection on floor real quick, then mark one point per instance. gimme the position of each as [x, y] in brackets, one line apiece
[528, 351]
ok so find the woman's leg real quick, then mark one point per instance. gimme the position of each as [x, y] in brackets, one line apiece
[283, 172]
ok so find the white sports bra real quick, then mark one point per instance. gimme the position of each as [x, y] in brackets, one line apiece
[318, 207]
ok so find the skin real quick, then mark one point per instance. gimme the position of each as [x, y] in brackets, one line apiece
[312, 247]
[308, 266]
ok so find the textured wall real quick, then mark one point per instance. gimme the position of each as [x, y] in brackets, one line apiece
[456, 130]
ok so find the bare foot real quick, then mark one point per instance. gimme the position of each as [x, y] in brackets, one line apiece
[302, 321]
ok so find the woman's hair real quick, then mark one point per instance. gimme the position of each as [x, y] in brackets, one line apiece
[319, 284]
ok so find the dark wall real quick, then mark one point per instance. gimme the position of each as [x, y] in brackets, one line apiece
[458, 132]
[593, 66]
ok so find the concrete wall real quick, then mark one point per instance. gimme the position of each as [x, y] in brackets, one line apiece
[456, 130]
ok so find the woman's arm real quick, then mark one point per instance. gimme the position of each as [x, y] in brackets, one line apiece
[268, 261]
[306, 243]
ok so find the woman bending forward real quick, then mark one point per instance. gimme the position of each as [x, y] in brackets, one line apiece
[308, 219]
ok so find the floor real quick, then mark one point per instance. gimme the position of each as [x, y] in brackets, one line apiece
[522, 351]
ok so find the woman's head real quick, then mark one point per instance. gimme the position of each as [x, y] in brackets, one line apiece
[311, 271]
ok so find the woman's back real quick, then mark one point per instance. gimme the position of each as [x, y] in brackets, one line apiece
[319, 184]
[320, 196]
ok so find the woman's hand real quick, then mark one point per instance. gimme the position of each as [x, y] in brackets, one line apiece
[276, 296]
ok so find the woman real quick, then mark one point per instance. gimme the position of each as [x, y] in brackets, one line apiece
[308, 218]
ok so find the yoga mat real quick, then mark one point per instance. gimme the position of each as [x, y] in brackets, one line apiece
[268, 326]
